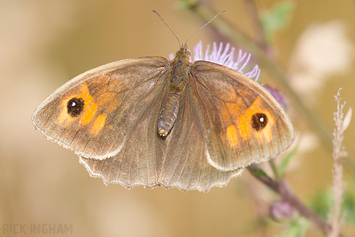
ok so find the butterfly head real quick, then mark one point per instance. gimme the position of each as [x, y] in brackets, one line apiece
[183, 53]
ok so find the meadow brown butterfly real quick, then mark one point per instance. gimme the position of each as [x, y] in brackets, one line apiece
[153, 122]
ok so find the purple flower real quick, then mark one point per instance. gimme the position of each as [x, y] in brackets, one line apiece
[280, 210]
[277, 95]
[225, 57]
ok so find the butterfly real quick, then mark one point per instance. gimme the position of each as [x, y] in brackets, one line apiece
[154, 122]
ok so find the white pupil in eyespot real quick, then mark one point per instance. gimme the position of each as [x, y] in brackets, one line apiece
[261, 119]
[73, 104]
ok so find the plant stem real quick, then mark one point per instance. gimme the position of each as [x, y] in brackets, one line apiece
[281, 189]
[335, 217]
[274, 169]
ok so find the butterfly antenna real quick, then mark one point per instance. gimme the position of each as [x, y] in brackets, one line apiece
[168, 27]
[205, 25]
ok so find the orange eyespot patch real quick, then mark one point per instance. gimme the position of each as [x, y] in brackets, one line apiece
[245, 122]
[90, 109]
[252, 120]
[243, 126]
[84, 95]
[98, 125]
[232, 136]
[89, 114]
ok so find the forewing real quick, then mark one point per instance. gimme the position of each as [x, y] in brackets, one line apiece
[242, 123]
[110, 113]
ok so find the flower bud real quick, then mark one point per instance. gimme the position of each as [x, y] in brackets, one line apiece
[280, 210]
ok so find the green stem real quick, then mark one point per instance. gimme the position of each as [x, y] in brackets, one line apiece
[274, 170]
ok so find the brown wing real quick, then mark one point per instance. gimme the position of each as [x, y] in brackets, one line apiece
[185, 165]
[139, 160]
[94, 113]
[179, 161]
[242, 123]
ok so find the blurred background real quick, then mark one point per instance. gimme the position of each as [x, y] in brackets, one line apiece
[45, 43]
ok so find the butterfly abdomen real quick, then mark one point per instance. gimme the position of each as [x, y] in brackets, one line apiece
[168, 112]
[177, 80]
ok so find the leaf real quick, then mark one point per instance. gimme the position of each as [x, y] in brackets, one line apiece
[323, 199]
[349, 201]
[256, 171]
[284, 163]
[185, 4]
[297, 228]
[277, 18]
[320, 203]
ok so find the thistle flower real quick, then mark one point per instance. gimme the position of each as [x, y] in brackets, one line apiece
[224, 56]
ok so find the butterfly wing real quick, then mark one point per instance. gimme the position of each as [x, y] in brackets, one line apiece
[242, 122]
[180, 159]
[109, 115]
[94, 113]
[139, 160]
[186, 159]
[189, 157]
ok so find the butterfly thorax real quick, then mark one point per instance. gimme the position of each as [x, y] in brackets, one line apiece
[179, 67]
[177, 79]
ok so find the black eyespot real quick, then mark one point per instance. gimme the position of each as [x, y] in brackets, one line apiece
[75, 106]
[259, 121]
